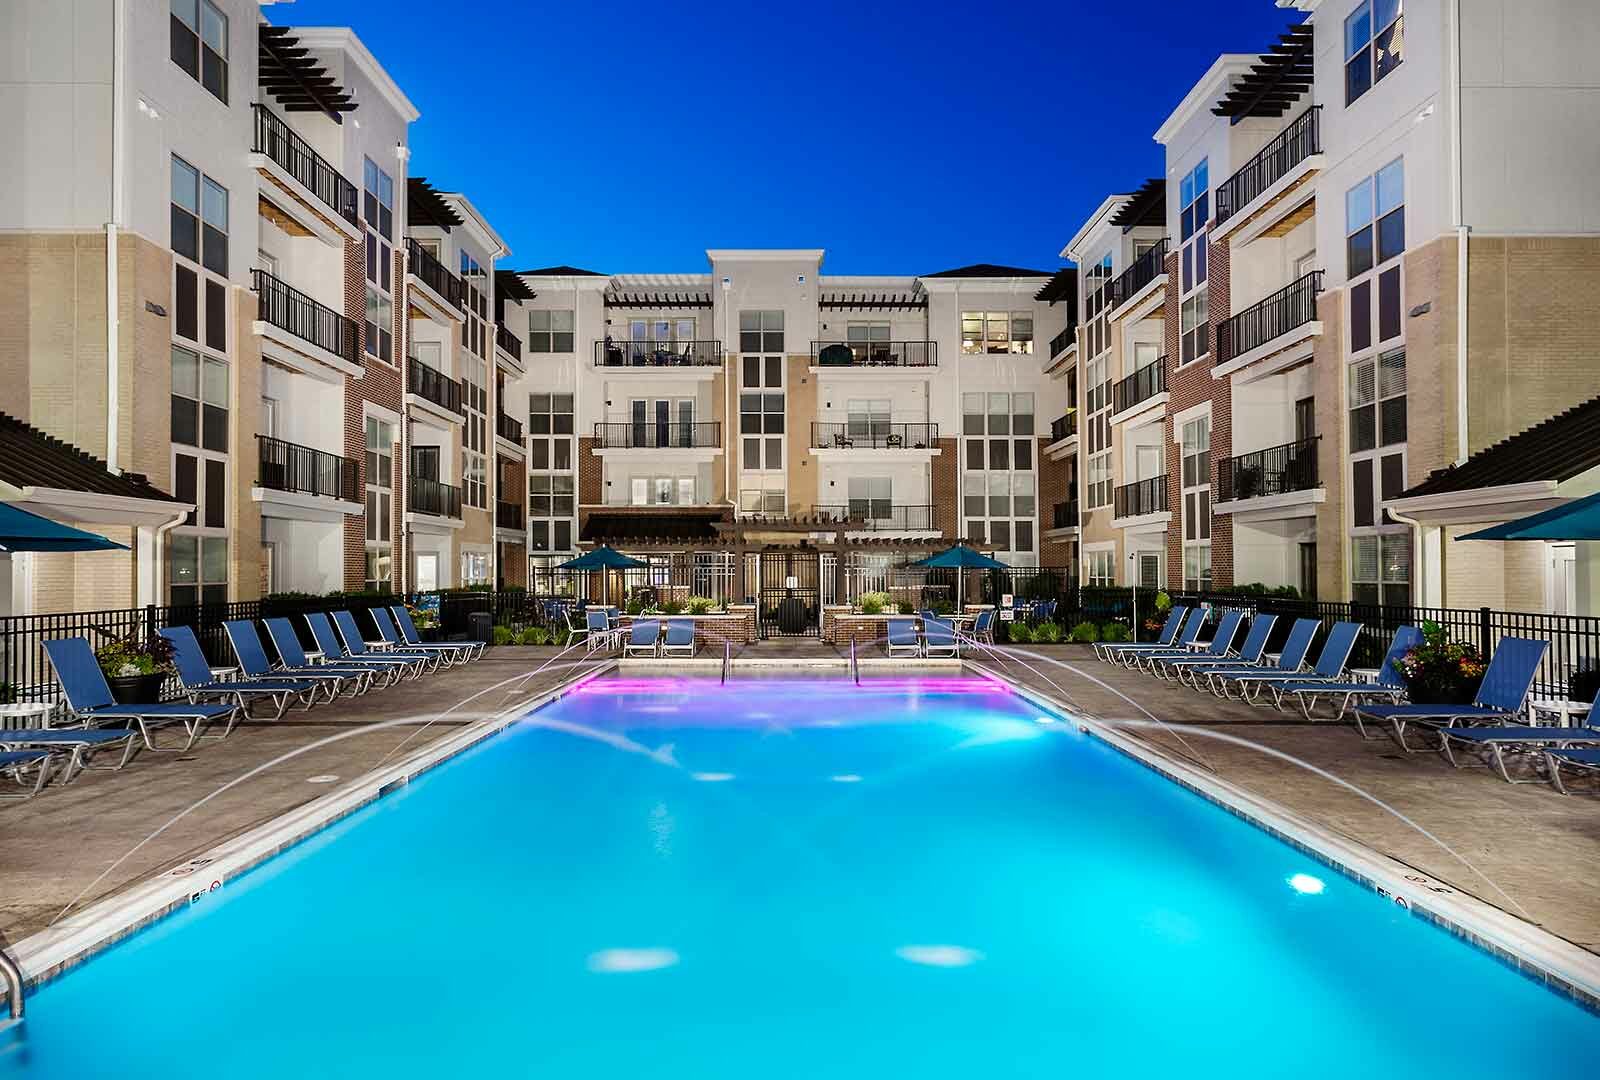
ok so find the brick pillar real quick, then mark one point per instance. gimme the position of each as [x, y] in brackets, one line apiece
[1182, 390]
[1218, 296]
[945, 486]
[355, 432]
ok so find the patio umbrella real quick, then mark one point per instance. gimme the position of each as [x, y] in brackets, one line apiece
[21, 530]
[960, 558]
[603, 558]
[1576, 520]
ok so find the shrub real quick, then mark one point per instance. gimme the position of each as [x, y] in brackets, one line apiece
[700, 605]
[1115, 631]
[873, 603]
[944, 607]
[906, 607]
[1047, 632]
[1085, 633]
[1163, 602]
[1019, 632]
[503, 635]
[1256, 588]
[534, 635]
[635, 606]
[671, 607]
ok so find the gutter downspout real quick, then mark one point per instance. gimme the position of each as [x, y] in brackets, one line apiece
[1421, 592]
[119, 72]
[1458, 220]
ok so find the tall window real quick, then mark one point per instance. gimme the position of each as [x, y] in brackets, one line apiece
[552, 505]
[475, 433]
[870, 497]
[550, 331]
[1374, 45]
[1375, 219]
[378, 203]
[761, 412]
[998, 489]
[1194, 199]
[380, 504]
[997, 332]
[1197, 503]
[200, 44]
[761, 331]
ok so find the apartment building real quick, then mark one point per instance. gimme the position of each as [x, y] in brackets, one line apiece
[218, 280]
[1378, 253]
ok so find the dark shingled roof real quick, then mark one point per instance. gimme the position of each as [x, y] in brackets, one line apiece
[685, 525]
[981, 270]
[1063, 285]
[1558, 449]
[30, 458]
[508, 285]
[561, 271]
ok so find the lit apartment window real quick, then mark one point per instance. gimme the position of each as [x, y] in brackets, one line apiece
[197, 569]
[1197, 504]
[474, 568]
[1194, 200]
[1101, 567]
[379, 504]
[998, 485]
[1373, 45]
[996, 332]
[1380, 569]
[672, 331]
[200, 44]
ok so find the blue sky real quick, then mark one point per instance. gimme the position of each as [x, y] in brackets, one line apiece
[904, 139]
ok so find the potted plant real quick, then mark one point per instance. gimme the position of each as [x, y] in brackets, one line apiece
[1440, 671]
[135, 668]
[425, 617]
[873, 603]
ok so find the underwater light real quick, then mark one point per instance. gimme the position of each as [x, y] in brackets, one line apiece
[1305, 883]
[1042, 719]
[712, 777]
[846, 778]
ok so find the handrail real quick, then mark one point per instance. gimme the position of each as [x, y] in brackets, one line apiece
[836, 353]
[658, 434]
[1301, 139]
[874, 434]
[615, 352]
[287, 308]
[13, 976]
[855, 667]
[1290, 307]
[276, 140]
[1141, 272]
[727, 659]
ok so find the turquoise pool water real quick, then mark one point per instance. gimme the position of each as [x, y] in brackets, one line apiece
[782, 879]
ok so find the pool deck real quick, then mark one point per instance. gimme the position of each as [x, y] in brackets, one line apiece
[1541, 848]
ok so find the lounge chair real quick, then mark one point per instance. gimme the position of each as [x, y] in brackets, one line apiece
[1388, 687]
[1494, 744]
[194, 672]
[78, 744]
[679, 638]
[643, 639]
[1290, 660]
[1329, 667]
[449, 655]
[89, 697]
[903, 638]
[252, 658]
[1221, 647]
[1585, 761]
[408, 630]
[1191, 669]
[939, 638]
[1128, 654]
[356, 647]
[17, 763]
[350, 649]
[1501, 697]
[1167, 639]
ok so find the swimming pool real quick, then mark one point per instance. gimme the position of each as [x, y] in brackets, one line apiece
[777, 878]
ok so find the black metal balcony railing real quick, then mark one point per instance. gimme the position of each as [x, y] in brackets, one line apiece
[874, 435]
[1064, 427]
[287, 466]
[508, 428]
[1059, 343]
[432, 497]
[1140, 273]
[508, 515]
[1140, 497]
[610, 353]
[1142, 385]
[508, 342]
[432, 273]
[435, 386]
[294, 155]
[1293, 305]
[1276, 470]
[1293, 145]
[1064, 515]
[875, 354]
[876, 514]
[662, 434]
[287, 308]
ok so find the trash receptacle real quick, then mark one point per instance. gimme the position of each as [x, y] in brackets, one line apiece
[480, 626]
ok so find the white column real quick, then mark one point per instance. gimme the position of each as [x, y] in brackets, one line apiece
[1586, 577]
[1429, 565]
[147, 552]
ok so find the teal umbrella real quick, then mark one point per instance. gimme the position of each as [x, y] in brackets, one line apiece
[21, 530]
[960, 557]
[604, 558]
[1576, 520]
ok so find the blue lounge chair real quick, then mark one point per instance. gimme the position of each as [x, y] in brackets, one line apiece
[194, 672]
[1127, 653]
[408, 629]
[449, 655]
[1329, 667]
[679, 639]
[89, 697]
[17, 763]
[356, 647]
[1501, 697]
[1191, 669]
[295, 663]
[903, 638]
[394, 667]
[1167, 639]
[1388, 687]
[1496, 745]
[78, 744]
[939, 638]
[644, 638]
[1221, 647]
[1290, 660]
[1585, 761]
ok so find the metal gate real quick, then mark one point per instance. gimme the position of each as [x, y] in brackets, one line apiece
[790, 601]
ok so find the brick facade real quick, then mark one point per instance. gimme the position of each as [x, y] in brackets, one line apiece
[1055, 485]
[380, 384]
[945, 489]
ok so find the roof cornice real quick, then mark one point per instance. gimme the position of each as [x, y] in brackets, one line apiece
[1074, 247]
[1204, 92]
[344, 39]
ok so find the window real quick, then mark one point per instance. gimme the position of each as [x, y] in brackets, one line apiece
[1098, 433]
[199, 217]
[871, 497]
[475, 433]
[1196, 483]
[761, 411]
[869, 341]
[761, 331]
[550, 480]
[868, 418]
[1374, 45]
[1375, 219]
[200, 44]
[197, 569]
[474, 568]
[378, 199]
[1101, 567]
[998, 485]
[550, 331]
[996, 332]
[1378, 402]
[378, 209]
[1194, 195]
[379, 480]
[199, 400]
[1380, 569]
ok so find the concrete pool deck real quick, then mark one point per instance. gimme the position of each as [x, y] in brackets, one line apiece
[1541, 848]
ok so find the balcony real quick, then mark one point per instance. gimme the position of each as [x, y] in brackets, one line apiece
[1297, 142]
[295, 323]
[658, 354]
[1283, 319]
[1139, 498]
[427, 496]
[1138, 389]
[1272, 473]
[508, 343]
[434, 386]
[874, 354]
[1145, 269]
[509, 516]
[508, 428]
[1064, 515]
[658, 435]
[300, 470]
[280, 145]
[875, 514]
[1064, 427]
[447, 289]
[1060, 343]
[873, 435]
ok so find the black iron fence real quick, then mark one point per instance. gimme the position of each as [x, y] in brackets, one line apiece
[294, 155]
[433, 385]
[667, 579]
[1142, 385]
[508, 515]
[287, 466]
[873, 434]
[1277, 470]
[1141, 272]
[432, 273]
[425, 496]
[1140, 497]
[876, 514]
[1293, 145]
[875, 354]
[507, 342]
[1064, 427]
[648, 353]
[1064, 515]
[1291, 306]
[658, 434]
[508, 427]
[1059, 343]
[288, 308]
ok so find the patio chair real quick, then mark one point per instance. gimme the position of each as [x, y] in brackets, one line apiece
[17, 763]
[194, 672]
[939, 638]
[925, 614]
[1127, 654]
[903, 638]
[89, 697]
[1585, 761]
[1388, 687]
[393, 667]
[983, 626]
[356, 647]
[1221, 647]
[679, 638]
[449, 654]
[1103, 650]
[597, 631]
[643, 639]
[1329, 667]
[1290, 660]
[1191, 669]
[295, 664]
[1501, 696]
[841, 442]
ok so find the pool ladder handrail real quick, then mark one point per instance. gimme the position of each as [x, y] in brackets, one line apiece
[727, 660]
[855, 666]
[13, 977]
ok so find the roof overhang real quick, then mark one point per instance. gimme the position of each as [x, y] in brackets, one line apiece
[1505, 502]
[1097, 221]
[477, 223]
[93, 506]
[1228, 66]
[344, 39]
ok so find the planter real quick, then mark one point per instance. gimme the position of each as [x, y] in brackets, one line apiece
[1436, 688]
[136, 689]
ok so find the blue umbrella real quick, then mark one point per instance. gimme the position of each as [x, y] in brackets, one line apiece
[603, 557]
[960, 557]
[1576, 520]
[21, 530]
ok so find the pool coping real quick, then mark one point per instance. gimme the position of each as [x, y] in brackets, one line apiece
[51, 952]
[1555, 963]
